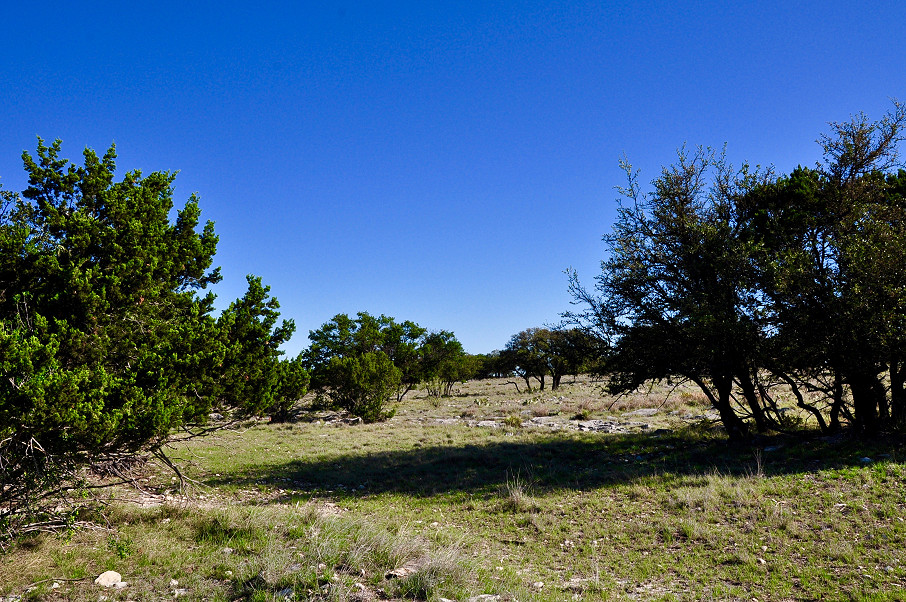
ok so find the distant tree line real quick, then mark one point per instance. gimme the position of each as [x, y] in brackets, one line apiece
[765, 290]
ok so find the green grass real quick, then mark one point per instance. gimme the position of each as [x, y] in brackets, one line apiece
[326, 511]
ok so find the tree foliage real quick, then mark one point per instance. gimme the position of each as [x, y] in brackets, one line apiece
[254, 377]
[539, 352]
[742, 281]
[351, 362]
[444, 363]
[106, 342]
[359, 364]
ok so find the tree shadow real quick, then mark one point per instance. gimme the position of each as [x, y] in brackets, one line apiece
[557, 463]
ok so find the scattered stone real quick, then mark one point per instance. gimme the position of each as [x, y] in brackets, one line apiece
[400, 573]
[108, 579]
[576, 585]
[538, 584]
[227, 550]
[643, 412]
[485, 598]
[488, 424]
[173, 582]
[286, 594]
[761, 561]
[55, 585]
[228, 573]
[120, 584]
[550, 421]
[446, 420]
[596, 426]
[180, 592]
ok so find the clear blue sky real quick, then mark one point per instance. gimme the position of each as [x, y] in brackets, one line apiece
[433, 161]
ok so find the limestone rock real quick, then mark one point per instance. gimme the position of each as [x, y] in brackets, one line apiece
[108, 579]
[643, 412]
[400, 573]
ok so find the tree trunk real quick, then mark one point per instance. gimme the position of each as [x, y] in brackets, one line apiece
[868, 396]
[837, 406]
[735, 427]
[898, 393]
[751, 397]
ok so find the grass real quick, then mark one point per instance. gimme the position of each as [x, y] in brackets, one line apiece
[665, 509]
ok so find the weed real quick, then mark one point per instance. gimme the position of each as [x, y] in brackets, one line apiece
[516, 496]
[122, 547]
[513, 421]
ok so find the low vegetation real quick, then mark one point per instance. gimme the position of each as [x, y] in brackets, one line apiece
[436, 502]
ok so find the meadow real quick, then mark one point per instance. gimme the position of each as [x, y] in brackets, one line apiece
[491, 494]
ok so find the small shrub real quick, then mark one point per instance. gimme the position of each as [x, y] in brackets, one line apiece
[516, 497]
[513, 420]
[122, 547]
[582, 413]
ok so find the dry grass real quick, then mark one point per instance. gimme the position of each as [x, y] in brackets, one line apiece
[666, 509]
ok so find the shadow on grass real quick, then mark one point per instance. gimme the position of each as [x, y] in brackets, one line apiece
[555, 462]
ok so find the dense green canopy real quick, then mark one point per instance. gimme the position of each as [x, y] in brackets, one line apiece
[106, 341]
[754, 286]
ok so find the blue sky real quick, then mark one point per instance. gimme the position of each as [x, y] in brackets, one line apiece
[433, 161]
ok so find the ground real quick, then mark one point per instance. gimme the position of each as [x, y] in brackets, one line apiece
[541, 495]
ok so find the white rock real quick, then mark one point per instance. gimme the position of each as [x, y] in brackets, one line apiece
[120, 584]
[180, 592]
[400, 573]
[173, 582]
[108, 579]
[538, 584]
